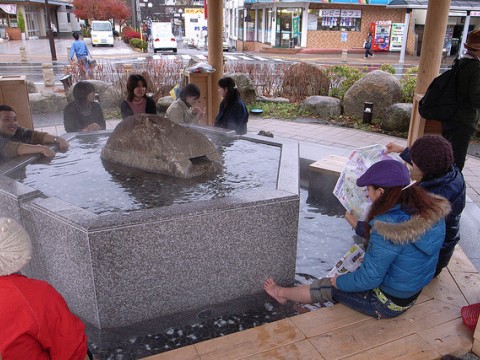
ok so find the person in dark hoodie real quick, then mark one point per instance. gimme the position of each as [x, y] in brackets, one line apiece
[406, 228]
[433, 167]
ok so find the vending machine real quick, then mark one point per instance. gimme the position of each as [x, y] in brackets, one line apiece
[396, 38]
[381, 35]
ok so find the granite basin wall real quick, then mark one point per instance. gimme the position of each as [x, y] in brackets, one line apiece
[118, 269]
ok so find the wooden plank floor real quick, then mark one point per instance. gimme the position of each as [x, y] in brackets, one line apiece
[430, 329]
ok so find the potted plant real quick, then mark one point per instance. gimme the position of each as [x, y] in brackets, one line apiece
[21, 23]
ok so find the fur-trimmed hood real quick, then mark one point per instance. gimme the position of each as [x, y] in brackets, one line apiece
[412, 230]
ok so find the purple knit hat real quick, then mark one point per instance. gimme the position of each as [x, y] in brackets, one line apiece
[385, 173]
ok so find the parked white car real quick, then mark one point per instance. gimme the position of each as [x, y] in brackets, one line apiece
[225, 45]
[102, 33]
[164, 42]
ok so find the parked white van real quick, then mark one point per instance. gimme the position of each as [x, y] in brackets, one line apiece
[102, 33]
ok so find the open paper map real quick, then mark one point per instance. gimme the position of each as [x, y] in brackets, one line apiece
[350, 195]
[349, 262]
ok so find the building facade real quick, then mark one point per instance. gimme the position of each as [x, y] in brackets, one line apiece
[60, 11]
[336, 24]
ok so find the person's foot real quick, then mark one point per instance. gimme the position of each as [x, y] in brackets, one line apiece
[271, 288]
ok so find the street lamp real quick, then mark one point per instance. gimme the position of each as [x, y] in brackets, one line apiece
[180, 30]
[50, 33]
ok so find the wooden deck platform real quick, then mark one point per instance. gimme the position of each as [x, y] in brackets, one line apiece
[430, 329]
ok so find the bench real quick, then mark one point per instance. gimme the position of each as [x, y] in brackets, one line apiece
[332, 164]
[322, 178]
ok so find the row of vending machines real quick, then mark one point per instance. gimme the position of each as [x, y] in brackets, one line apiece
[387, 36]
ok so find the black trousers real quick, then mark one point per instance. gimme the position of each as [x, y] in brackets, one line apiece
[459, 136]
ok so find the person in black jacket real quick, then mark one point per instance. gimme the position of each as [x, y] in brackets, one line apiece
[432, 159]
[83, 113]
[137, 101]
[459, 129]
[233, 113]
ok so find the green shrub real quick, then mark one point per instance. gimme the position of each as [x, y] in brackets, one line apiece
[342, 77]
[139, 44]
[388, 68]
[21, 21]
[409, 83]
[86, 32]
[279, 110]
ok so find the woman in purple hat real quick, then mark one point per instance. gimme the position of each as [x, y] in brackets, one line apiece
[406, 231]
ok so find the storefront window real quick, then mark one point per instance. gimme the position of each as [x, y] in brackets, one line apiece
[241, 23]
[250, 25]
[339, 20]
[268, 26]
[260, 25]
[288, 27]
[33, 21]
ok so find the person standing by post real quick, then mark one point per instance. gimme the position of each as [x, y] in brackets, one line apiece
[368, 46]
[459, 129]
[80, 50]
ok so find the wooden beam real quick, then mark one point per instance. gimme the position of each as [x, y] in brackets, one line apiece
[429, 65]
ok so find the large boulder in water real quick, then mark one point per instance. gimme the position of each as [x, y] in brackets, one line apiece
[155, 144]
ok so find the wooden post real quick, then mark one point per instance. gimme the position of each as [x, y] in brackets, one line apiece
[215, 50]
[430, 59]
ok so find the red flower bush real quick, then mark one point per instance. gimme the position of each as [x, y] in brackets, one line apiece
[128, 35]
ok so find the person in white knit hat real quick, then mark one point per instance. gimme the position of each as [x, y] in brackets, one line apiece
[35, 320]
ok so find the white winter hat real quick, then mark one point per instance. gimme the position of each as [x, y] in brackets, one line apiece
[15, 247]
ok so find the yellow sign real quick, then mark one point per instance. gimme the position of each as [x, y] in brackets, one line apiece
[194, 11]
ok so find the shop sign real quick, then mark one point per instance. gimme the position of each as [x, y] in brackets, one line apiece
[330, 12]
[194, 11]
[351, 13]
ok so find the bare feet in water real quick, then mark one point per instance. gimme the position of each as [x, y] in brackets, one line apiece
[272, 289]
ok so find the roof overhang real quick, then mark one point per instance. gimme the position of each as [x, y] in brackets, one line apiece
[456, 5]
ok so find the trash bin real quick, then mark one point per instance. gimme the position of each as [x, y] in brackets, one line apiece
[66, 80]
[367, 112]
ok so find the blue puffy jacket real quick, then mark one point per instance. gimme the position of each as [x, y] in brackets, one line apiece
[402, 252]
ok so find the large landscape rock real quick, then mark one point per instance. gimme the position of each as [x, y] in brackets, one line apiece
[155, 144]
[324, 106]
[378, 87]
[245, 87]
[110, 96]
[397, 117]
[163, 104]
[31, 87]
[46, 102]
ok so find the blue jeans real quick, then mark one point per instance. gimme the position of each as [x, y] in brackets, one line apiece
[364, 302]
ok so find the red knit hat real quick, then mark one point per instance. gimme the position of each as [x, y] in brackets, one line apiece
[432, 154]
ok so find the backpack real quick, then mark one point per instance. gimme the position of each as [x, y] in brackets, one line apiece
[440, 99]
